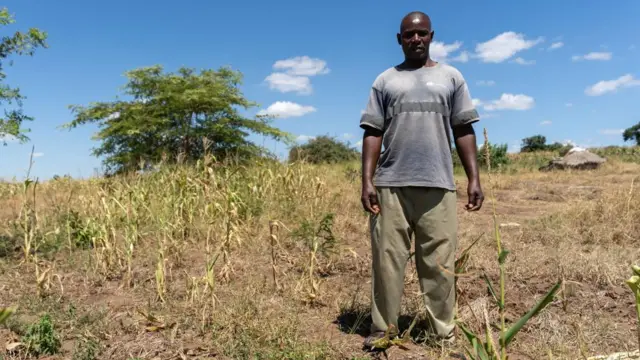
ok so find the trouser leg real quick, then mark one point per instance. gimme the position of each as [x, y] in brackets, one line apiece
[436, 241]
[390, 247]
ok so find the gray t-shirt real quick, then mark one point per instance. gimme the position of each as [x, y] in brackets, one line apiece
[416, 110]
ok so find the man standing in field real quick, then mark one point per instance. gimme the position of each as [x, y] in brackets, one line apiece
[409, 187]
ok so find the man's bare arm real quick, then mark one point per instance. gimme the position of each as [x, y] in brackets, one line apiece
[465, 140]
[371, 147]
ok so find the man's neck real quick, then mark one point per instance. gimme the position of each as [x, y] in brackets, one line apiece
[415, 64]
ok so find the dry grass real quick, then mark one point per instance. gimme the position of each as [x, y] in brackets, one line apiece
[272, 262]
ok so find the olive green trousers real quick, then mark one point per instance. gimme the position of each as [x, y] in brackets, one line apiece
[429, 215]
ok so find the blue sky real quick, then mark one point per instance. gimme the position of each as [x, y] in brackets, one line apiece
[568, 72]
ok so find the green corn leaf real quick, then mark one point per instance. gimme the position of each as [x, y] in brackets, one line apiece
[513, 330]
[5, 313]
[503, 256]
[478, 346]
[492, 291]
[470, 354]
[636, 270]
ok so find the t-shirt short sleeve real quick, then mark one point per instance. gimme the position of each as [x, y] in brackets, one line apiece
[374, 114]
[463, 111]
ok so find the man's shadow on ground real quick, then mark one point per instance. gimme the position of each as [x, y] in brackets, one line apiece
[357, 321]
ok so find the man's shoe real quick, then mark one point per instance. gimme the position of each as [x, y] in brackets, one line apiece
[369, 342]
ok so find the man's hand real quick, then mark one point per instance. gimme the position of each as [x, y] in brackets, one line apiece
[370, 198]
[476, 197]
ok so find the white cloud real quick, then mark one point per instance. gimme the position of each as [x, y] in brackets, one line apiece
[511, 102]
[303, 138]
[439, 51]
[476, 102]
[489, 116]
[568, 104]
[292, 75]
[522, 61]
[606, 86]
[601, 56]
[359, 143]
[286, 109]
[463, 57]
[611, 131]
[504, 46]
[38, 154]
[289, 83]
[546, 122]
[556, 45]
[347, 136]
[485, 83]
[302, 66]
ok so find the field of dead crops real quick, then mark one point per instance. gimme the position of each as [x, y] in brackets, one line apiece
[272, 261]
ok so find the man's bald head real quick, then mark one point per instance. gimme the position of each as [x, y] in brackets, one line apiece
[415, 17]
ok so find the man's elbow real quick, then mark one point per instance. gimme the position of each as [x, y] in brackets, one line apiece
[463, 130]
[371, 131]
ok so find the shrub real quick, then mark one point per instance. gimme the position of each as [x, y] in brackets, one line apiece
[323, 149]
[498, 156]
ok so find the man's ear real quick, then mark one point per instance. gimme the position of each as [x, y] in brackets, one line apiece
[398, 37]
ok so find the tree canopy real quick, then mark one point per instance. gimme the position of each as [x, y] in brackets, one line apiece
[169, 114]
[18, 44]
[632, 134]
[323, 149]
[539, 143]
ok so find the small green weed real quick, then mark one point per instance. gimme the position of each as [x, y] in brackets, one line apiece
[41, 338]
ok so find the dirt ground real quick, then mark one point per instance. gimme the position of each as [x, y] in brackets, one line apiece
[581, 227]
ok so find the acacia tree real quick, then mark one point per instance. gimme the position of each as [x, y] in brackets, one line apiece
[632, 134]
[170, 114]
[17, 44]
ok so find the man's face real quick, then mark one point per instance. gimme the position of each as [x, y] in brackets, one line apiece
[415, 37]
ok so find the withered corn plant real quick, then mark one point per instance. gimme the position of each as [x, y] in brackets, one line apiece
[28, 220]
[487, 349]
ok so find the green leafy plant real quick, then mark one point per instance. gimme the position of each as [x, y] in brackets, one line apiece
[41, 338]
[487, 349]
